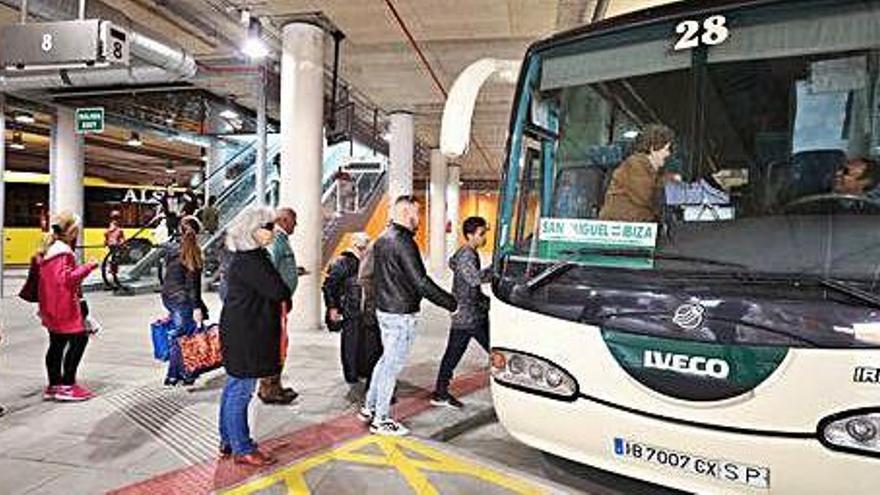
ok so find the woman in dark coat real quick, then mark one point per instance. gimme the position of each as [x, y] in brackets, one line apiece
[250, 329]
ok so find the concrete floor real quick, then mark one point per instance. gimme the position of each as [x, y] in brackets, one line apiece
[137, 429]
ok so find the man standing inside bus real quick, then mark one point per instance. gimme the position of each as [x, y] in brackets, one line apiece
[471, 320]
[400, 282]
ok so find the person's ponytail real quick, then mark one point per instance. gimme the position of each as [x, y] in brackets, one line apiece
[190, 252]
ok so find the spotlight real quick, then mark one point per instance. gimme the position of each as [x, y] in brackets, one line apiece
[229, 114]
[134, 139]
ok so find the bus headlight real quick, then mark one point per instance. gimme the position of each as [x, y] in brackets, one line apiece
[525, 371]
[852, 431]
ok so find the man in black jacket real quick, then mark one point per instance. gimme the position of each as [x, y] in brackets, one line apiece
[400, 282]
[344, 300]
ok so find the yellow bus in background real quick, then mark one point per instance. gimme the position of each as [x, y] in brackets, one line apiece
[27, 213]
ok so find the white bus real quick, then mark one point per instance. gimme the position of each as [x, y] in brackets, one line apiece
[731, 342]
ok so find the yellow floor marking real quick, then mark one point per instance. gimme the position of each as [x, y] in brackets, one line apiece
[413, 471]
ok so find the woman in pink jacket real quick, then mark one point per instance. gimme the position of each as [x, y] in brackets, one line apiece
[59, 299]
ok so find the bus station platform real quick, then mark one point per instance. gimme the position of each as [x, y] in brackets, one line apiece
[140, 437]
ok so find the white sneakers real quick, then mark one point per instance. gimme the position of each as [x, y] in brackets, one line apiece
[387, 427]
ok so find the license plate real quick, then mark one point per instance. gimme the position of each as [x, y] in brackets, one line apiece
[732, 472]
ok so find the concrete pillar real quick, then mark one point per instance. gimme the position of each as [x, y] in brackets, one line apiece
[452, 202]
[261, 140]
[437, 205]
[69, 169]
[2, 188]
[400, 167]
[302, 146]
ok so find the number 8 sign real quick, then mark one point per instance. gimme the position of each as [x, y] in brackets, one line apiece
[714, 32]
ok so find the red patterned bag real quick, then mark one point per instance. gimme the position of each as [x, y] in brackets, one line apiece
[201, 350]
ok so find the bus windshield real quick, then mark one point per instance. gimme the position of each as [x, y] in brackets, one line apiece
[751, 148]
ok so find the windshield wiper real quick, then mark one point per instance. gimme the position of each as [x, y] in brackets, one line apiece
[635, 253]
[834, 284]
[850, 290]
[546, 275]
[760, 326]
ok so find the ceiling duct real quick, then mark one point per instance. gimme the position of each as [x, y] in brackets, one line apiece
[163, 62]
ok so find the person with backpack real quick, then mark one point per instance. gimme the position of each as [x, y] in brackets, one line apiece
[344, 301]
[182, 294]
[61, 308]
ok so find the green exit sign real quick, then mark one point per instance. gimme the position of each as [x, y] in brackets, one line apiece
[89, 120]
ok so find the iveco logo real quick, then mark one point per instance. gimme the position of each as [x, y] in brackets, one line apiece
[689, 316]
[690, 365]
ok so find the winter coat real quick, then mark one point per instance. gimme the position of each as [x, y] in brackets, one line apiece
[59, 289]
[368, 295]
[400, 280]
[250, 323]
[284, 259]
[473, 305]
[633, 195]
[342, 291]
[181, 286]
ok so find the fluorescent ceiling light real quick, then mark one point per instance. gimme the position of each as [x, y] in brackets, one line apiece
[24, 118]
[255, 48]
[630, 134]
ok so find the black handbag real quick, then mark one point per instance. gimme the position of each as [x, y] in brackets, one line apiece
[30, 292]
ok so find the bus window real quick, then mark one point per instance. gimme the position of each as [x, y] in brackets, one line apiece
[26, 204]
[527, 203]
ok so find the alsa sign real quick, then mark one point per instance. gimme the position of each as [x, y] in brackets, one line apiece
[143, 196]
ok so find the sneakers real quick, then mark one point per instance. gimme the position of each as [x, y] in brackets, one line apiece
[446, 401]
[365, 414]
[72, 393]
[49, 393]
[389, 428]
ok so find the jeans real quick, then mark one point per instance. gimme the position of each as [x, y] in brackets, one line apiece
[57, 359]
[398, 332]
[459, 338]
[183, 324]
[234, 430]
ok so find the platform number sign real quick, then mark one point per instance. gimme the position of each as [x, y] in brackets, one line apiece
[712, 31]
[47, 43]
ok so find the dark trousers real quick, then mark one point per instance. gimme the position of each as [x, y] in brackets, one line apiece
[350, 348]
[459, 338]
[57, 360]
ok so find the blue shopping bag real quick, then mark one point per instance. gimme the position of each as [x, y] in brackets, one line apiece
[160, 329]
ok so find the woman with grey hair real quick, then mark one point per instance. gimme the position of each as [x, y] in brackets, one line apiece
[250, 329]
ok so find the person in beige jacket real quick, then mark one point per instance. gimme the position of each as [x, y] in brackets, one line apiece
[636, 184]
